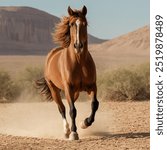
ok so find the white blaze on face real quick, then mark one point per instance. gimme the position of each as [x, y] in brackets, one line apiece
[78, 24]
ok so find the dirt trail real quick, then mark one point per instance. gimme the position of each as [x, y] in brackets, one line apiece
[118, 125]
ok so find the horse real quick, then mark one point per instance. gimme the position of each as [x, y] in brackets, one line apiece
[70, 68]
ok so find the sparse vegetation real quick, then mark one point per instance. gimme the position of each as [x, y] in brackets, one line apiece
[28, 76]
[125, 84]
[9, 90]
[131, 83]
[26, 80]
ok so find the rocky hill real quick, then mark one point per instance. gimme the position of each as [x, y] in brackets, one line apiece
[27, 31]
[130, 48]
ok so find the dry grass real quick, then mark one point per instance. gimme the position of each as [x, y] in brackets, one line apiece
[9, 90]
[125, 83]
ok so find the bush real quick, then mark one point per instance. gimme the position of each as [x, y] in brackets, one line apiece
[26, 81]
[144, 71]
[125, 84]
[9, 90]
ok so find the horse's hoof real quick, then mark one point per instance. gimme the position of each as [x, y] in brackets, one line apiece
[83, 126]
[74, 136]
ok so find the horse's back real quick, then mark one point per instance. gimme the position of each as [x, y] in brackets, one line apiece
[52, 53]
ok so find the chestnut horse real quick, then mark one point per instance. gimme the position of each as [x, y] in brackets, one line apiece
[70, 68]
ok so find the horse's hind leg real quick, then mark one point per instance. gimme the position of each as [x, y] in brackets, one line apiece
[94, 106]
[57, 98]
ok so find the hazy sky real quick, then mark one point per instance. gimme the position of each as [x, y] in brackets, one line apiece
[107, 18]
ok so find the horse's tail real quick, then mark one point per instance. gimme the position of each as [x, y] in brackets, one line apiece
[42, 86]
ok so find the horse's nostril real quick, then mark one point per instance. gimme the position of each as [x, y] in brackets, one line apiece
[77, 46]
[80, 45]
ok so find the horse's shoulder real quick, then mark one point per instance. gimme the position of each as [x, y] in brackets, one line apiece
[56, 49]
[52, 52]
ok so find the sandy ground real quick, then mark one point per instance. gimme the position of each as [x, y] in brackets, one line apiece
[118, 126]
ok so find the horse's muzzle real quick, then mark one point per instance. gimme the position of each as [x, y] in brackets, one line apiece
[78, 47]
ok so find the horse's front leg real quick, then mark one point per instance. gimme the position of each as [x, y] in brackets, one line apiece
[55, 92]
[73, 113]
[94, 106]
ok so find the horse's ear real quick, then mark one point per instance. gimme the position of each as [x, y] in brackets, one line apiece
[84, 10]
[70, 11]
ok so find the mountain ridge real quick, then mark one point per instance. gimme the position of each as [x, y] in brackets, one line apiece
[130, 48]
[27, 31]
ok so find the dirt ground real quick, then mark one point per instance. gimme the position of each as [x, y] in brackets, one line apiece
[118, 126]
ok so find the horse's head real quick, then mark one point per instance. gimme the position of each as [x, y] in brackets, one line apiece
[78, 28]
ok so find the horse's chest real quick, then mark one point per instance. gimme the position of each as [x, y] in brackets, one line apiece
[80, 74]
[81, 79]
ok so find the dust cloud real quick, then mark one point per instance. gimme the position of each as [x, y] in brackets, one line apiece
[42, 119]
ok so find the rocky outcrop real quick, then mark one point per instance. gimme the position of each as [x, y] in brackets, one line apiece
[25, 30]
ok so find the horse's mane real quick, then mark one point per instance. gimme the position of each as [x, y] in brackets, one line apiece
[61, 32]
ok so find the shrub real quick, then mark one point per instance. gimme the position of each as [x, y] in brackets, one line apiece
[125, 84]
[9, 90]
[144, 71]
[26, 81]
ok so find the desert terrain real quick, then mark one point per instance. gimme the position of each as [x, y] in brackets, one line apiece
[118, 126]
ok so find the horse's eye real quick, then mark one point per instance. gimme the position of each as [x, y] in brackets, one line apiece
[71, 24]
